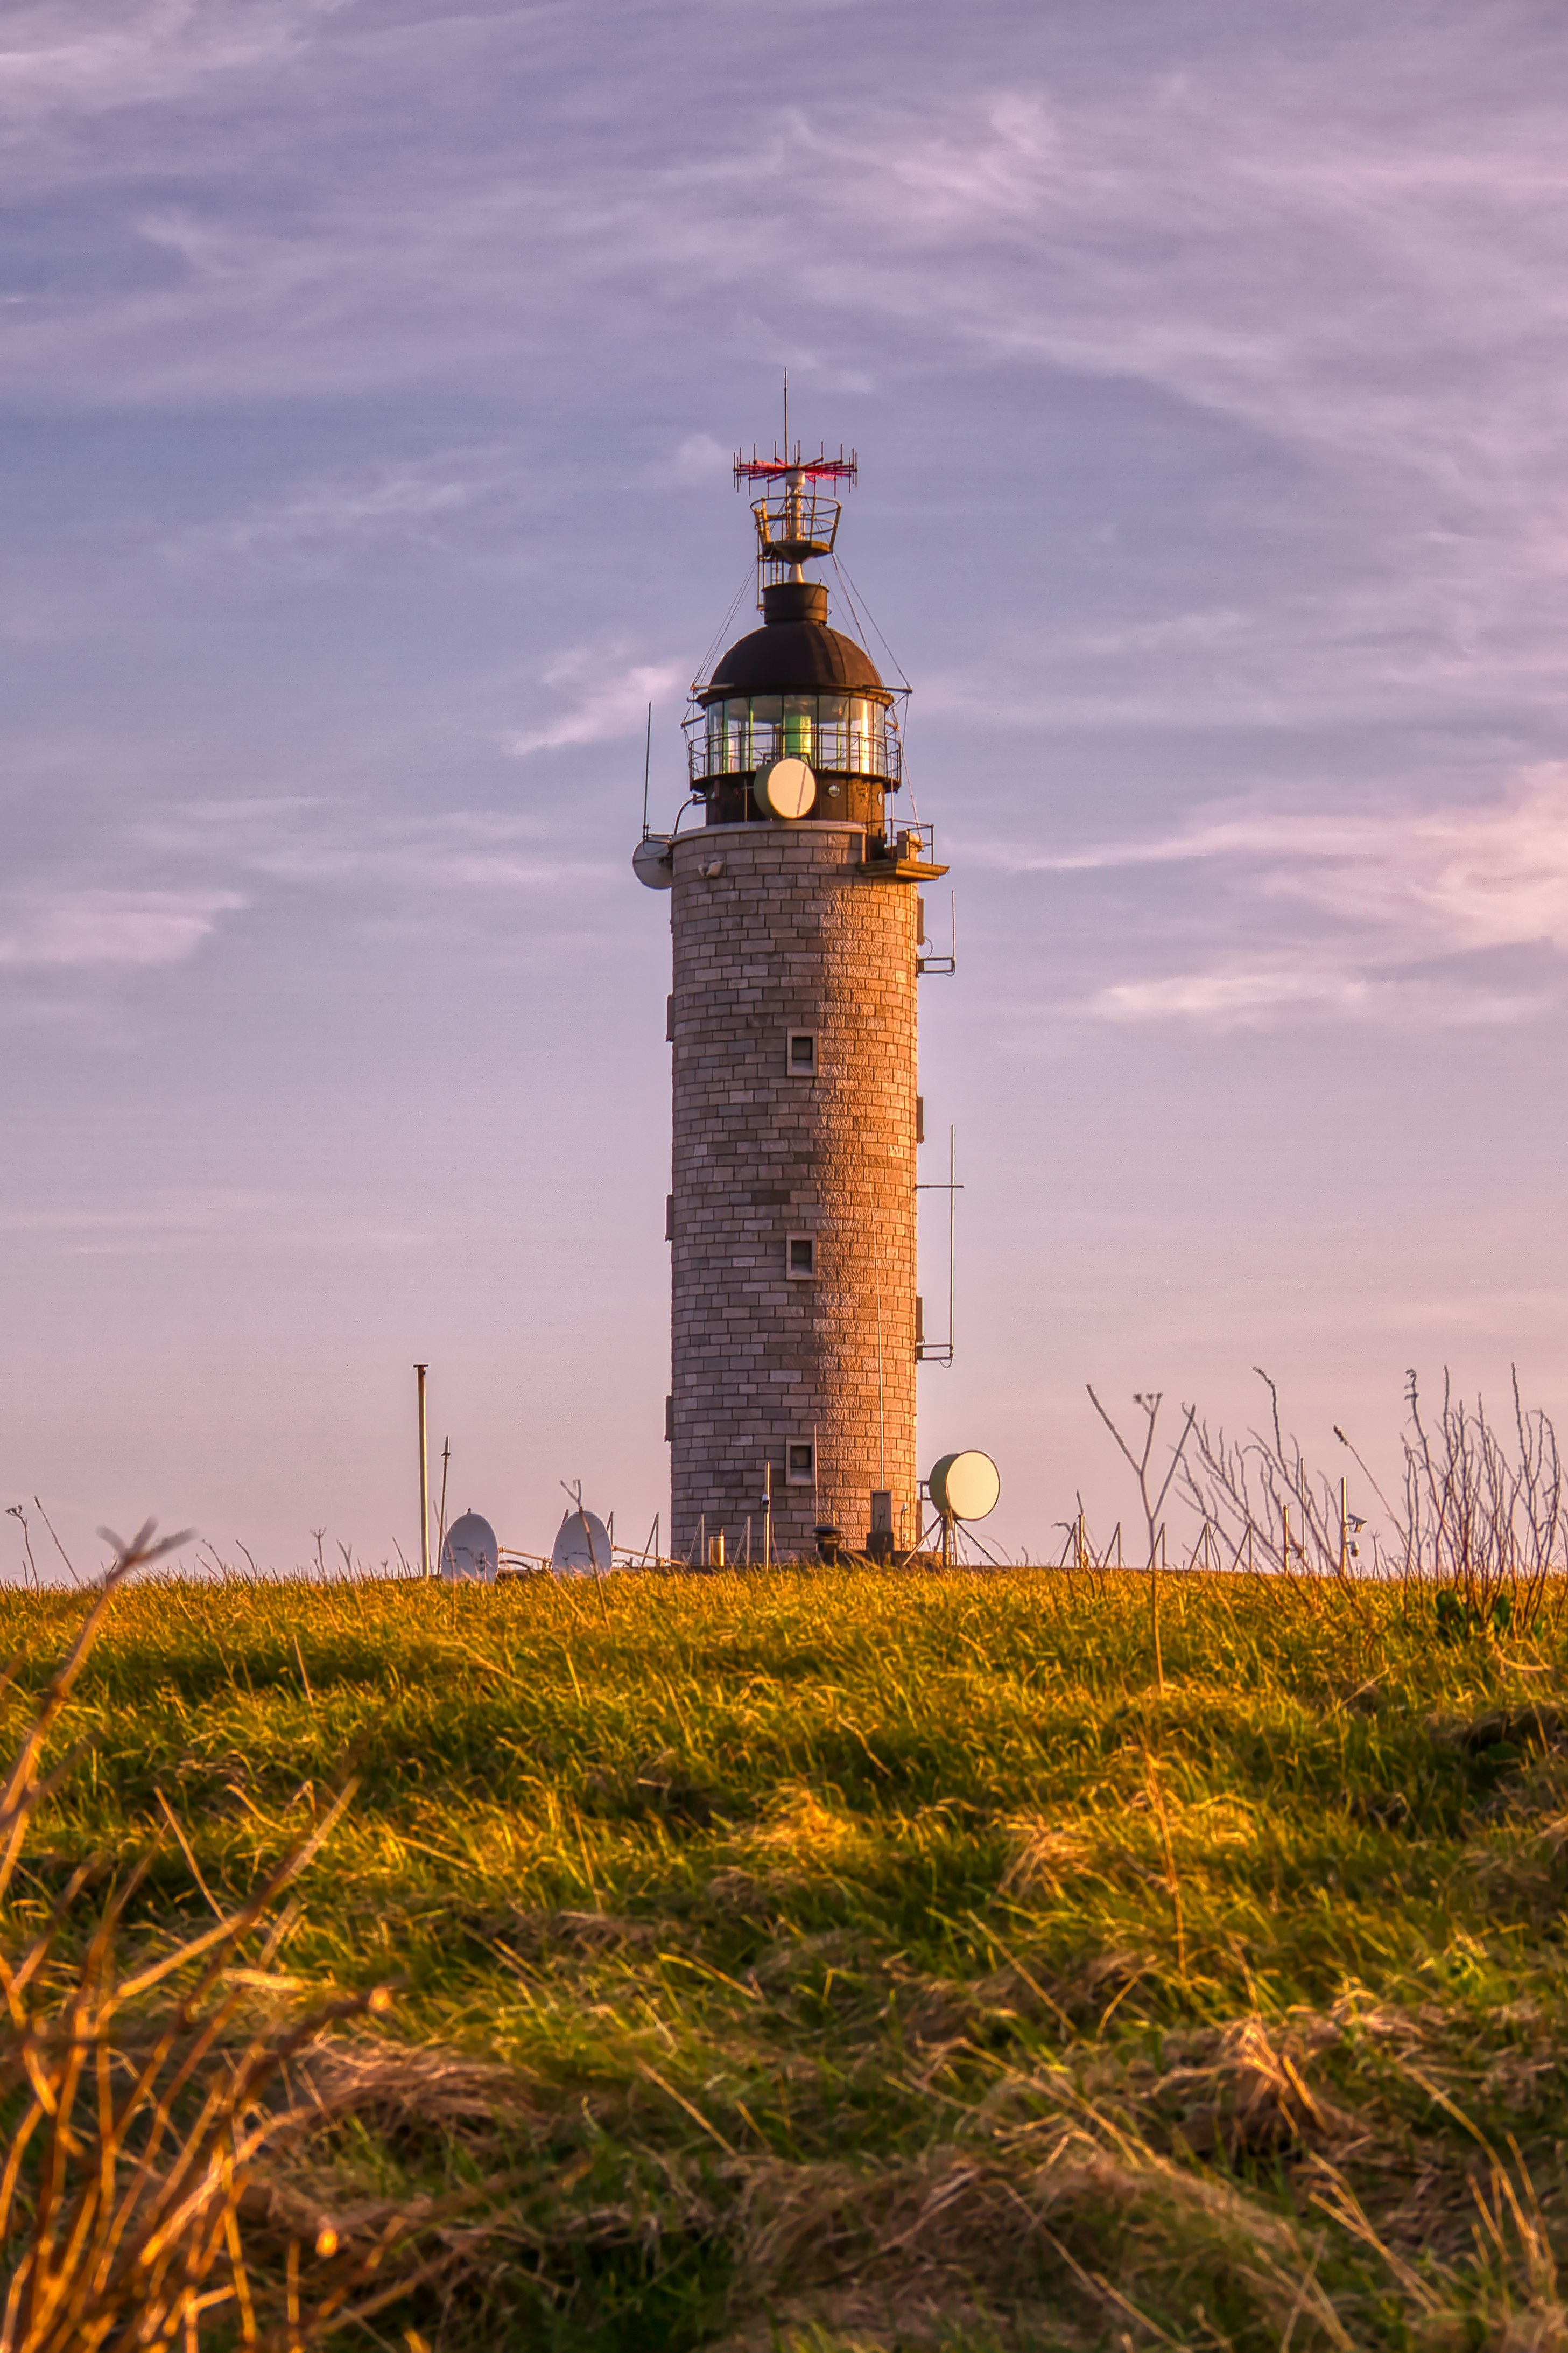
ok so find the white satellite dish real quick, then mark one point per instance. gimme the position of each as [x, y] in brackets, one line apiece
[652, 862]
[965, 1486]
[786, 787]
[471, 1550]
[581, 1546]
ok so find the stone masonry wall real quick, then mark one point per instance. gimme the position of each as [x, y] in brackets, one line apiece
[785, 936]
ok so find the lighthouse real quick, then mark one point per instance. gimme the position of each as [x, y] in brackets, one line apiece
[796, 921]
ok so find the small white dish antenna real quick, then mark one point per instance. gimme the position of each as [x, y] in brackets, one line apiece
[470, 1551]
[965, 1486]
[652, 862]
[786, 787]
[582, 1546]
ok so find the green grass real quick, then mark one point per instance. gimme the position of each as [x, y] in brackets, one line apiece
[853, 1960]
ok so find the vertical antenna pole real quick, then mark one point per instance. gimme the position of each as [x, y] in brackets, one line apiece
[881, 1401]
[786, 414]
[647, 765]
[424, 1480]
[441, 1522]
[951, 1198]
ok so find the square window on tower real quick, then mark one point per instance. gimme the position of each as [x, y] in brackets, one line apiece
[801, 1471]
[800, 1257]
[800, 1053]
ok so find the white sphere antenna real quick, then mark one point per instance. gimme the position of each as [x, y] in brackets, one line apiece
[786, 787]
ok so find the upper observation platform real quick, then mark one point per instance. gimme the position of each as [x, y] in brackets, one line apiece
[796, 688]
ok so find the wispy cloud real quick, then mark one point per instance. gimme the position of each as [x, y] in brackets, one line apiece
[63, 53]
[609, 701]
[1401, 912]
[1367, 285]
[1234, 397]
[393, 497]
[395, 861]
[700, 458]
[1450, 880]
[1242, 995]
[177, 1219]
[81, 930]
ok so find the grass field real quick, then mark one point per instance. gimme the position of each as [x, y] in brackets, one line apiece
[844, 1959]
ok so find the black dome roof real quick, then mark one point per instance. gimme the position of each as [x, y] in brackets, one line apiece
[794, 652]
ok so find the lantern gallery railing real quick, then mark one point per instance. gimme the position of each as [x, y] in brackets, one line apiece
[728, 750]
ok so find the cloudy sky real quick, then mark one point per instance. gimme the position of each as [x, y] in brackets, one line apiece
[369, 371]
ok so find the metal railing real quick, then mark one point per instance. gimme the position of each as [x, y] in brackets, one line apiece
[832, 749]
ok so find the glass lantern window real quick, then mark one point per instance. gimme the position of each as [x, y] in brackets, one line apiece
[720, 762]
[800, 726]
[834, 732]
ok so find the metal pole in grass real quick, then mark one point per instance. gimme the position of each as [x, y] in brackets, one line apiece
[881, 1406]
[424, 1479]
[441, 1522]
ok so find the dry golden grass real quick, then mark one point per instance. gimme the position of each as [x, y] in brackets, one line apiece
[817, 1960]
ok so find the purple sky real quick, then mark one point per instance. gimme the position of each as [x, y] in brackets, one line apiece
[370, 373]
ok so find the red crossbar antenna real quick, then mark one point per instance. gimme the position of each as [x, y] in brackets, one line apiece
[820, 469]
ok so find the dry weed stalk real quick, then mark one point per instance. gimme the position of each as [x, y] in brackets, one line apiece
[131, 2137]
[1478, 1516]
[1149, 1403]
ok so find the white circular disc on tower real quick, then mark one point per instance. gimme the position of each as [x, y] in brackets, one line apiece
[786, 787]
[968, 1486]
[652, 863]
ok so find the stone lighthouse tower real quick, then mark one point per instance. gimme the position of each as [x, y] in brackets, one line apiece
[794, 911]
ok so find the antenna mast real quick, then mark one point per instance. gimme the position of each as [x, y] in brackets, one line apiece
[797, 522]
[646, 765]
